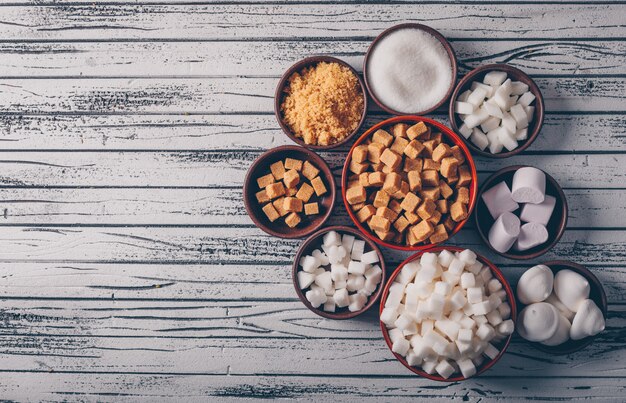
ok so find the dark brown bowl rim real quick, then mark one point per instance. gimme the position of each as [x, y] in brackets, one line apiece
[601, 301]
[372, 299]
[561, 199]
[496, 272]
[298, 66]
[449, 49]
[532, 86]
[295, 232]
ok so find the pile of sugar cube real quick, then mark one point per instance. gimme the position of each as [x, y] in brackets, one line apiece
[445, 311]
[341, 274]
[529, 189]
[500, 107]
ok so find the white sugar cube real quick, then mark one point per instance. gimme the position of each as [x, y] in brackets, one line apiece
[494, 318]
[448, 327]
[485, 274]
[495, 146]
[505, 310]
[465, 335]
[445, 258]
[490, 351]
[519, 114]
[490, 124]
[467, 256]
[412, 359]
[468, 281]
[464, 347]
[331, 238]
[309, 264]
[464, 95]
[325, 281]
[369, 287]
[423, 289]
[329, 305]
[427, 273]
[357, 267]
[467, 309]
[476, 97]
[429, 366]
[467, 323]
[370, 257]
[463, 107]
[321, 257]
[427, 326]
[450, 278]
[476, 118]
[457, 300]
[466, 367]
[335, 254]
[521, 134]
[429, 259]
[405, 322]
[493, 109]
[477, 84]
[456, 266]
[355, 282]
[494, 78]
[341, 284]
[388, 316]
[501, 100]
[375, 273]
[396, 293]
[305, 279]
[456, 315]
[518, 88]
[357, 249]
[347, 241]
[357, 302]
[507, 138]
[526, 99]
[530, 113]
[465, 131]
[494, 285]
[435, 305]
[474, 294]
[341, 298]
[494, 301]
[407, 274]
[444, 369]
[442, 288]
[338, 272]
[506, 327]
[401, 347]
[395, 335]
[316, 297]
[481, 308]
[478, 360]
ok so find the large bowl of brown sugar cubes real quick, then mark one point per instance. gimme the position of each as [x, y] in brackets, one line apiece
[409, 183]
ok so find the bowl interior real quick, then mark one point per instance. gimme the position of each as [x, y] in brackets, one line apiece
[451, 138]
[596, 294]
[502, 346]
[514, 74]
[556, 225]
[315, 242]
[280, 95]
[262, 167]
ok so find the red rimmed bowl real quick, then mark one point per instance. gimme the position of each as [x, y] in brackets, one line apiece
[452, 139]
[502, 346]
[315, 242]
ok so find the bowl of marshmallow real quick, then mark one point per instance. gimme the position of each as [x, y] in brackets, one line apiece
[521, 212]
[564, 306]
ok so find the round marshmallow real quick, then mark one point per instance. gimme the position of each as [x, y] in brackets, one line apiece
[529, 185]
[535, 285]
[588, 321]
[571, 288]
[504, 232]
[538, 322]
[562, 333]
[530, 235]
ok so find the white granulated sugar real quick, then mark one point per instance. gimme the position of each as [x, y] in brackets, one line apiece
[409, 71]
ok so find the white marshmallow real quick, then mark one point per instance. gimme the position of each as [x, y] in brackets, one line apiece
[588, 321]
[370, 257]
[357, 249]
[341, 298]
[571, 288]
[498, 200]
[531, 234]
[538, 213]
[562, 333]
[331, 238]
[504, 232]
[529, 185]
[305, 279]
[538, 322]
[554, 300]
[535, 285]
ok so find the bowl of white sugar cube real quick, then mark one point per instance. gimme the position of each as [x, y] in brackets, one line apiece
[447, 314]
[337, 273]
[497, 109]
[521, 212]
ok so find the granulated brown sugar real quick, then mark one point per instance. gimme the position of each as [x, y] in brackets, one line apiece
[323, 103]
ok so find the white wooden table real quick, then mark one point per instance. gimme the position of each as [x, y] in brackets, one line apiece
[129, 270]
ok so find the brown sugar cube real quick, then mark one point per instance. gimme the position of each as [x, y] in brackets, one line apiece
[435, 218]
[410, 202]
[311, 208]
[458, 154]
[439, 235]
[358, 167]
[412, 218]
[292, 220]
[413, 149]
[378, 223]
[431, 165]
[387, 213]
[442, 206]
[415, 180]
[364, 179]
[378, 167]
[291, 178]
[392, 183]
[410, 238]
[422, 231]
[387, 170]
[262, 197]
[465, 177]
[278, 205]
[399, 144]
[449, 224]
[436, 137]
[446, 191]
[365, 213]
[391, 159]
[449, 167]
[318, 185]
[430, 178]
[381, 199]
[462, 195]
[292, 204]
[357, 207]
[278, 170]
[458, 211]
[376, 179]
[452, 180]
[356, 194]
[360, 153]
[416, 130]
[305, 192]
[291, 191]
[426, 209]
[275, 190]
[291, 163]
[402, 192]
[382, 137]
[413, 164]
[374, 151]
[271, 212]
[401, 224]
[430, 193]
[395, 206]
[429, 147]
[386, 236]
[399, 129]
[309, 171]
[441, 151]
[265, 180]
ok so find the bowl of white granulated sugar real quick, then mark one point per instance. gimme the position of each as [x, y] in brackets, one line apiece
[410, 69]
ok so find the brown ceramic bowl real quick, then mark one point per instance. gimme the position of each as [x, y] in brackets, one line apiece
[280, 94]
[556, 226]
[596, 294]
[515, 75]
[430, 31]
[278, 228]
[315, 242]
[502, 346]
[451, 139]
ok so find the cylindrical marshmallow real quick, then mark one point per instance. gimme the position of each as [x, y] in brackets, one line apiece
[504, 232]
[535, 285]
[498, 200]
[562, 333]
[529, 185]
[588, 321]
[530, 235]
[538, 322]
[539, 213]
[571, 288]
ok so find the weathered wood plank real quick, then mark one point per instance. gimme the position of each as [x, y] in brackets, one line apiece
[241, 95]
[152, 59]
[578, 133]
[207, 21]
